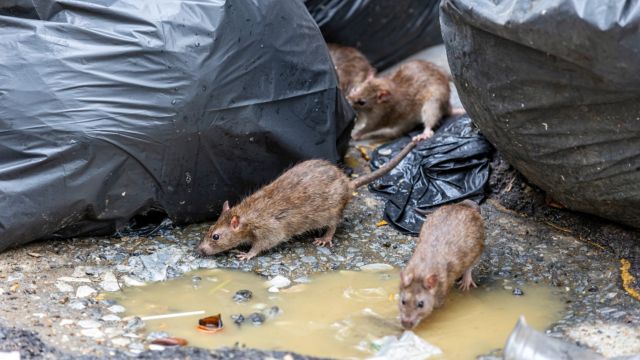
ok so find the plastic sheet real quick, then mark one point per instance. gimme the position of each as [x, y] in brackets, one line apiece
[451, 166]
[386, 31]
[115, 108]
[555, 86]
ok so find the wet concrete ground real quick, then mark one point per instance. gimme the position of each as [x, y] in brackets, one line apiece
[52, 306]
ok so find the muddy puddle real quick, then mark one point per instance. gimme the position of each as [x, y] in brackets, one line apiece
[337, 314]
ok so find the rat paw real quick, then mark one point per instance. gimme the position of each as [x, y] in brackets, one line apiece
[423, 136]
[244, 256]
[323, 242]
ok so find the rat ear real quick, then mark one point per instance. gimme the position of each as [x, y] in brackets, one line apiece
[371, 74]
[225, 206]
[235, 222]
[430, 281]
[383, 95]
[406, 278]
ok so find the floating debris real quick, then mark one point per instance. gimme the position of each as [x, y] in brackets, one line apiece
[210, 324]
[170, 341]
[518, 292]
[242, 296]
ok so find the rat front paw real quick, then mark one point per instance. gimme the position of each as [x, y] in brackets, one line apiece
[244, 256]
[323, 242]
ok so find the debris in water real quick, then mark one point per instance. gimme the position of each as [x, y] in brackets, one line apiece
[173, 315]
[210, 324]
[238, 319]
[256, 319]
[273, 311]
[242, 296]
[279, 282]
[518, 292]
[170, 341]
[408, 347]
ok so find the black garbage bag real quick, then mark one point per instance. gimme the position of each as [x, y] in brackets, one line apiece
[451, 166]
[555, 86]
[113, 108]
[386, 31]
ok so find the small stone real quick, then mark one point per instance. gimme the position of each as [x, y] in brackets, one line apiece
[136, 348]
[92, 333]
[242, 296]
[309, 259]
[107, 302]
[238, 319]
[384, 152]
[109, 282]
[273, 289]
[84, 291]
[15, 277]
[74, 279]
[376, 267]
[77, 305]
[111, 317]
[120, 341]
[518, 292]
[256, 319]
[273, 312]
[157, 335]
[130, 281]
[279, 282]
[64, 287]
[116, 309]
[154, 347]
[323, 250]
[134, 324]
[89, 324]
[195, 281]
[65, 322]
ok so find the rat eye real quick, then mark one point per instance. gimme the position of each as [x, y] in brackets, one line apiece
[216, 237]
[361, 102]
[421, 304]
[404, 302]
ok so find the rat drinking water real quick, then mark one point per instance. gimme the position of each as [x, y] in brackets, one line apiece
[352, 66]
[311, 195]
[451, 241]
[391, 106]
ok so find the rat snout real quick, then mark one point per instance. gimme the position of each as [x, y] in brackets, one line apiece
[203, 249]
[409, 322]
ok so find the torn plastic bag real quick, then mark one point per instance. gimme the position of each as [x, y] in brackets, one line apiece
[386, 31]
[451, 166]
[114, 108]
[555, 86]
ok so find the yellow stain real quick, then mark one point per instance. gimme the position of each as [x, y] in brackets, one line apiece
[223, 284]
[381, 223]
[363, 152]
[628, 279]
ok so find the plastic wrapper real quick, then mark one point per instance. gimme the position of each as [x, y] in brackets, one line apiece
[112, 109]
[451, 166]
[555, 86]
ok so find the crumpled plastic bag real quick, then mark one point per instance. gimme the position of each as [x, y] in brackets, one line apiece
[451, 166]
[408, 347]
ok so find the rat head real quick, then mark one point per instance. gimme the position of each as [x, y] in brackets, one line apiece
[370, 94]
[225, 234]
[416, 298]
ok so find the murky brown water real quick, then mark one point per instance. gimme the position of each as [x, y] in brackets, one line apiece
[337, 314]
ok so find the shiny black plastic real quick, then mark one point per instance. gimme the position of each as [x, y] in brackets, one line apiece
[451, 166]
[115, 108]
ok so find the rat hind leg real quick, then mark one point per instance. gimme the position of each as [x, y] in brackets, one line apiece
[430, 114]
[326, 239]
[467, 281]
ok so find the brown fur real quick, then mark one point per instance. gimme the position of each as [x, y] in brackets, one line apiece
[451, 241]
[311, 195]
[352, 66]
[391, 106]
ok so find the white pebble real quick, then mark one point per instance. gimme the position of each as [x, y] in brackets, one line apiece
[116, 309]
[84, 291]
[279, 282]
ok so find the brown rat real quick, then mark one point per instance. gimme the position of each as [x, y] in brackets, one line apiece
[391, 106]
[451, 241]
[311, 195]
[352, 66]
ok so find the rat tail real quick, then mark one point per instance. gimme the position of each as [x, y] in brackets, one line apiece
[365, 179]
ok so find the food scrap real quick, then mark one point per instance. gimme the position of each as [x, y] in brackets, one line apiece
[381, 223]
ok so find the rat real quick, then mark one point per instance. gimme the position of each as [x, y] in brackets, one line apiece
[351, 65]
[311, 195]
[451, 241]
[417, 92]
